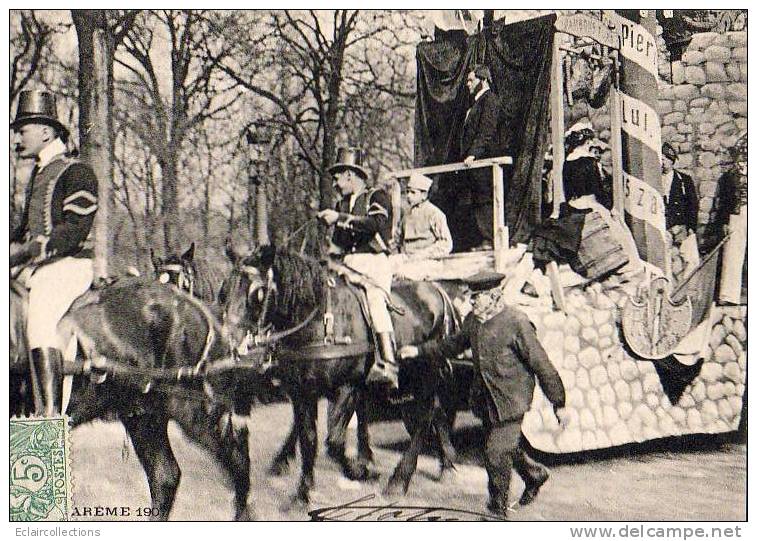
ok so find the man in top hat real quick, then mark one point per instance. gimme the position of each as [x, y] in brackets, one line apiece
[53, 247]
[479, 140]
[424, 232]
[679, 192]
[507, 357]
[363, 223]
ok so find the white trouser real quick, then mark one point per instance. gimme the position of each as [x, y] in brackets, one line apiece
[52, 290]
[733, 258]
[378, 269]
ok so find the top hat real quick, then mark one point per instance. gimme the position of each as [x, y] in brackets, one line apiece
[484, 280]
[349, 158]
[38, 107]
[419, 182]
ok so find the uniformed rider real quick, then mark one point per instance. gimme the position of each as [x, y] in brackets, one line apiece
[51, 248]
[363, 223]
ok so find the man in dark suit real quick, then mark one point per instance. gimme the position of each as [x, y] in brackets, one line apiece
[681, 200]
[479, 140]
[508, 357]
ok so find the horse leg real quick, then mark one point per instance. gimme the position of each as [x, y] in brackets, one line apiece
[306, 408]
[149, 435]
[280, 464]
[400, 479]
[345, 403]
[443, 441]
[213, 427]
[364, 451]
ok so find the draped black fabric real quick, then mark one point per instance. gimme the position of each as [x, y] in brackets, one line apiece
[519, 57]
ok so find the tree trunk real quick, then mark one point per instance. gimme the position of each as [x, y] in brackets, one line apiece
[95, 117]
[170, 201]
[261, 214]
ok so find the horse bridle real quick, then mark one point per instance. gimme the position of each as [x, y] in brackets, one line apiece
[264, 336]
[185, 276]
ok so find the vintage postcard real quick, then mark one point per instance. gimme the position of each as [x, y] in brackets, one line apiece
[363, 265]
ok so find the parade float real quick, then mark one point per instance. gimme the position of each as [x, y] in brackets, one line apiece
[642, 356]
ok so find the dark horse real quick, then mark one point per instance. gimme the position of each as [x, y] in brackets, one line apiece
[184, 272]
[291, 293]
[152, 350]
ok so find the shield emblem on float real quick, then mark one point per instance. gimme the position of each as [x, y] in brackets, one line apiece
[653, 324]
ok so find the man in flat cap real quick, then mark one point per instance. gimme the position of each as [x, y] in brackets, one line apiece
[679, 192]
[362, 232]
[53, 248]
[480, 140]
[507, 357]
[424, 232]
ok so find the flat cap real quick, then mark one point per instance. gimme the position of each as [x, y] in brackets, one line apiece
[484, 280]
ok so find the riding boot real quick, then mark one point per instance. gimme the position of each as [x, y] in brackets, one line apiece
[385, 370]
[47, 364]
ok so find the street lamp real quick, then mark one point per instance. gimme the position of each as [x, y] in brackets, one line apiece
[258, 143]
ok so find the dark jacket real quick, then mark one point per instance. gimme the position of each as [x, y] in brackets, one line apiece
[480, 137]
[367, 228]
[581, 177]
[682, 204]
[508, 357]
[61, 201]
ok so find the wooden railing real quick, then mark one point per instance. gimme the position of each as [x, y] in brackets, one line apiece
[501, 234]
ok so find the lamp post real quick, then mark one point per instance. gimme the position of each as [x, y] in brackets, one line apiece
[257, 170]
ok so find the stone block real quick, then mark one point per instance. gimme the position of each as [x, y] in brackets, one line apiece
[685, 160]
[736, 91]
[647, 416]
[575, 398]
[738, 107]
[664, 107]
[686, 401]
[673, 118]
[622, 390]
[695, 114]
[678, 414]
[572, 344]
[737, 38]
[717, 53]
[572, 325]
[739, 54]
[589, 335]
[729, 389]
[699, 390]
[736, 404]
[570, 362]
[667, 92]
[715, 72]
[709, 411]
[610, 417]
[603, 439]
[588, 440]
[692, 57]
[715, 91]
[629, 370]
[686, 92]
[653, 401]
[637, 393]
[606, 394]
[592, 399]
[733, 72]
[701, 40]
[743, 69]
[711, 371]
[738, 330]
[715, 391]
[695, 75]
[554, 321]
[721, 118]
[706, 128]
[707, 159]
[694, 419]
[681, 106]
[677, 73]
[625, 409]
[684, 147]
[732, 341]
[724, 354]
[619, 434]
[582, 379]
[679, 137]
[587, 420]
[613, 372]
[700, 102]
[569, 440]
[589, 357]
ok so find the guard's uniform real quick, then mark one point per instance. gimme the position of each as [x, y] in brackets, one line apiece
[59, 212]
[362, 234]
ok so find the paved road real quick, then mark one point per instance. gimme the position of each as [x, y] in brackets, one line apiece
[694, 479]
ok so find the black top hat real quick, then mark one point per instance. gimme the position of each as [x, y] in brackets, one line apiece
[349, 158]
[484, 280]
[38, 107]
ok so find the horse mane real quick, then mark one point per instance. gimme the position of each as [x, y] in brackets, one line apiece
[301, 282]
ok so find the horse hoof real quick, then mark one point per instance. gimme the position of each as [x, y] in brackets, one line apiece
[448, 476]
[244, 515]
[277, 469]
[395, 488]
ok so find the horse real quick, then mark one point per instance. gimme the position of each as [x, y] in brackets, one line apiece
[292, 294]
[155, 354]
[186, 274]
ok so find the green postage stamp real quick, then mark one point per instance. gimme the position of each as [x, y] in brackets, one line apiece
[40, 478]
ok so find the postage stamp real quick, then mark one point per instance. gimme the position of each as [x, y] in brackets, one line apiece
[40, 480]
